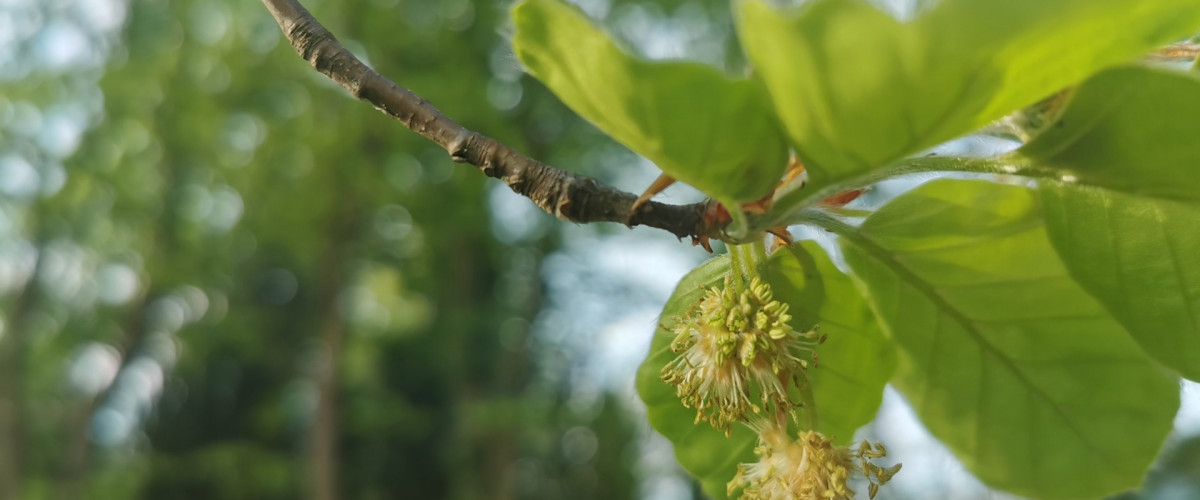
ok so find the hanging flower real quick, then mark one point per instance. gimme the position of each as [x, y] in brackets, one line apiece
[738, 356]
[808, 468]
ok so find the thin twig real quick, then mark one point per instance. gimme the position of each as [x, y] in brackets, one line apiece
[1187, 51]
[565, 195]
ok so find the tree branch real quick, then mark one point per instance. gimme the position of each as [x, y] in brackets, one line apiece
[565, 195]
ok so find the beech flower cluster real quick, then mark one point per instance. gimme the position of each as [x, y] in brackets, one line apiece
[738, 356]
[740, 361]
[808, 467]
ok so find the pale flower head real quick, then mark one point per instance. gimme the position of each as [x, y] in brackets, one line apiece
[810, 467]
[738, 356]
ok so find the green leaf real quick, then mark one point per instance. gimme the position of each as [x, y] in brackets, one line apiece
[856, 361]
[1128, 129]
[698, 125]
[1133, 244]
[1137, 255]
[704, 451]
[1004, 357]
[857, 89]
[854, 365]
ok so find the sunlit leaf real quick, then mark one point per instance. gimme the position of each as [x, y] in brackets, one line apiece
[857, 89]
[698, 125]
[1132, 245]
[1138, 256]
[1005, 358]
[1128, 129]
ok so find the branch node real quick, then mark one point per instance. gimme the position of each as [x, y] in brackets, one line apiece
[459, 146]
[563, 203]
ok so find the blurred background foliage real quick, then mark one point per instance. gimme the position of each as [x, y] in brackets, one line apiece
[222, 277]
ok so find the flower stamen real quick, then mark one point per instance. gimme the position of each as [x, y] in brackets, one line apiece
[738, 355]
[810, 467]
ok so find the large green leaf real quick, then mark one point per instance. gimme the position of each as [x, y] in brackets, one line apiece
[857, 89]
[1128, 129]
[1004, 357]
[855, 362]
[1139, 256]
[698, 125]
[1134, 244]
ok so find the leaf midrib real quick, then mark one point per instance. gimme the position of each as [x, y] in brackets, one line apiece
[888, 259]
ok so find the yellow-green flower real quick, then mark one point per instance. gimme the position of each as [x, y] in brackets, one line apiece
[808, 468]
[738, 356]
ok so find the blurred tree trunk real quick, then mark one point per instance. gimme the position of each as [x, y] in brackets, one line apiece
[11, 445]
[323, 452]
[77, 461]
[324, 448]
[13, 339]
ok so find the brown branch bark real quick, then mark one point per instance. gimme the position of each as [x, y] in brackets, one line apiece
[565, 195]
